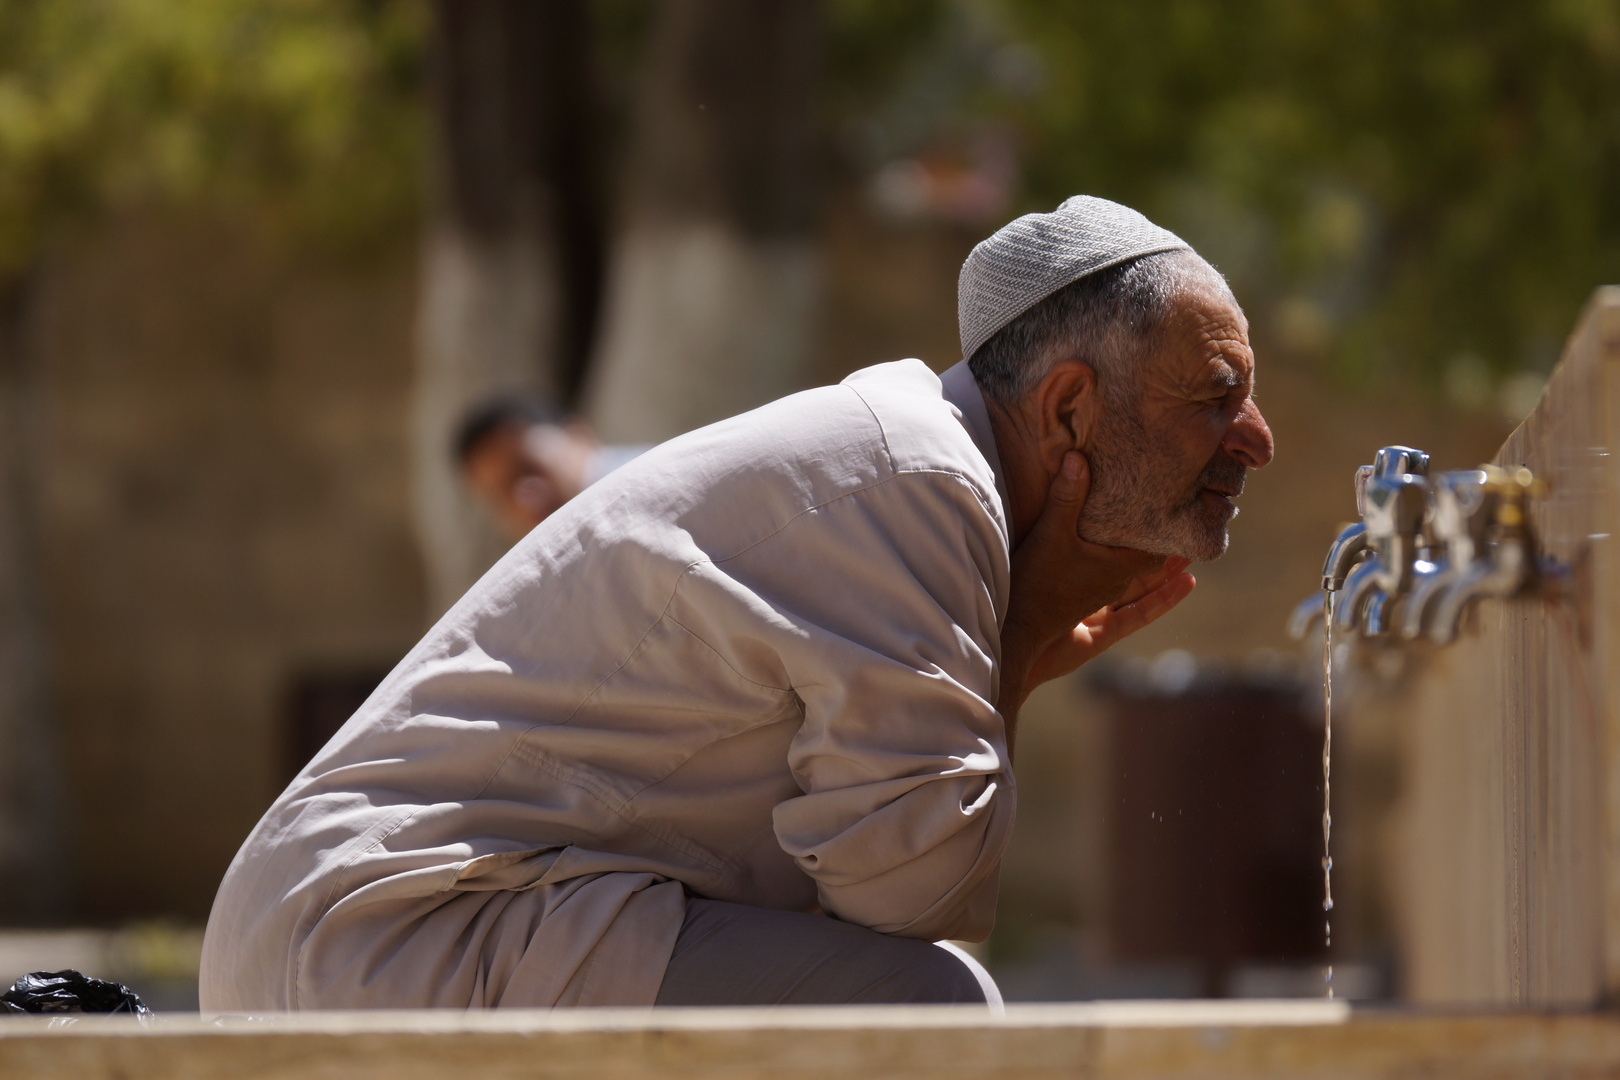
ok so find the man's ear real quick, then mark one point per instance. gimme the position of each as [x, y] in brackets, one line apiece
[1066, 410]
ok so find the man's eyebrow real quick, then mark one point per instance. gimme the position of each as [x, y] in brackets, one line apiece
[1227, 378]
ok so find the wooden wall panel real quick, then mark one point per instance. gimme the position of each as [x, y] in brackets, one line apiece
[1506, 874]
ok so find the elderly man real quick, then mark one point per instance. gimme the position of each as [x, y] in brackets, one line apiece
[736, 725]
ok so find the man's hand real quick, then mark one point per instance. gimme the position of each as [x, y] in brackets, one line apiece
[1071, 599]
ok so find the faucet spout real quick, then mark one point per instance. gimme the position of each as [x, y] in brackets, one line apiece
[1429, 581]
[1347, 548]
[1508, 570]
[1362, 582]
[1476, 581]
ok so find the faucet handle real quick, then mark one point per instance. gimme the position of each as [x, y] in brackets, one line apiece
[1396, 505]
[1462, 505]
[1399, 460]
[1389, 462]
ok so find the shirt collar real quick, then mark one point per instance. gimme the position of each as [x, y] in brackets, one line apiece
[961, 389]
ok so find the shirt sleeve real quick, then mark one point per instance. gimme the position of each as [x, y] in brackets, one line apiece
[908, 796]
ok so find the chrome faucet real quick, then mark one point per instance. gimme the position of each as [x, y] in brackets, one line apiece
[1343, 554]
[1498, 556]
[1396, 506]
[1463, 504]
[1374, 558]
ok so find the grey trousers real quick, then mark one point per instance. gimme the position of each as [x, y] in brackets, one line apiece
[733, 954]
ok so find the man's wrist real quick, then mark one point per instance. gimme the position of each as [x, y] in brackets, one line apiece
[1012, 694]
[1011, 699]
[1017, 663]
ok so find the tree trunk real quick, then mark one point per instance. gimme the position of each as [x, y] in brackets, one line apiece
[31, 804]
[713, 282]
[512, 262]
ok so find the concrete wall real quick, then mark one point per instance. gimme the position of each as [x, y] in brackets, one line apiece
[223, 510]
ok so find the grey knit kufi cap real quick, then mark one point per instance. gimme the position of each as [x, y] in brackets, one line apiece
[1033, 257]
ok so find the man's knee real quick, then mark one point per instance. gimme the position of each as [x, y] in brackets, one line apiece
[934, 975]
[733, 954]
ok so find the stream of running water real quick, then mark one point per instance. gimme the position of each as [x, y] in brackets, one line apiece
[1327, 780]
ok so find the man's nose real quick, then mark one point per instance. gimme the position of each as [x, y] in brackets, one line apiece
[1249, 439]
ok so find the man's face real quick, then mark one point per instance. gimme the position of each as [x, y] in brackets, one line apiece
[1168, 459]
[523, 474]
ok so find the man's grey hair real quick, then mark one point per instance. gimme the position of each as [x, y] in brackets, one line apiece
[1112, 320]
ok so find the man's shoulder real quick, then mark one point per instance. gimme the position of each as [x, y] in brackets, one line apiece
[880, 420]
[751, 474]
[923, 431]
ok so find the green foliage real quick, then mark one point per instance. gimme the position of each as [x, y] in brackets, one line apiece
[306, 111]
[1389, 184]
[1406, 181]
[870, 43]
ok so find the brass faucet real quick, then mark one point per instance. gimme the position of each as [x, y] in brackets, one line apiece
[1375, 558]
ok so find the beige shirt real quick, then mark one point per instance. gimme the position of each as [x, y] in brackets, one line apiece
[757, 663]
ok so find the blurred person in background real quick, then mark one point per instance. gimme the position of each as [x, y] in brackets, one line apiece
[735, 726]
[524, 460]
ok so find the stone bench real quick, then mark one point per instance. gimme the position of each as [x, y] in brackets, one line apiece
[1208, 1040]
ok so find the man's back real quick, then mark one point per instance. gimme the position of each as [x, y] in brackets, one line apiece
[758, 664]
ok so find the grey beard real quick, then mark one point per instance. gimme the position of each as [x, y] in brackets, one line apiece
[1135, 502]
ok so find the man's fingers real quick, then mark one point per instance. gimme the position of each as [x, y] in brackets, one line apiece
[1162, 569]
[1126, 619]
[1096, 634]
[1073, 480]
[1145, 584]
[1067, 495]
[1135, 568]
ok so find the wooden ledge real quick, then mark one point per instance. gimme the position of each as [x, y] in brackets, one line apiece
[1206, 1039]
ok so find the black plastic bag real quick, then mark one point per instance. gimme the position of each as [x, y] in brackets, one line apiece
[70, 992]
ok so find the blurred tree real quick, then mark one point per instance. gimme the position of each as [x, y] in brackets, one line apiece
[302, 113]
[713, 279]
[1419, 180]
[1394, 186]
[512, 261]
[306, 112]
[30, 791]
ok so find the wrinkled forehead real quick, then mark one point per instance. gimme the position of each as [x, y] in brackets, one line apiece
[1207, 336]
